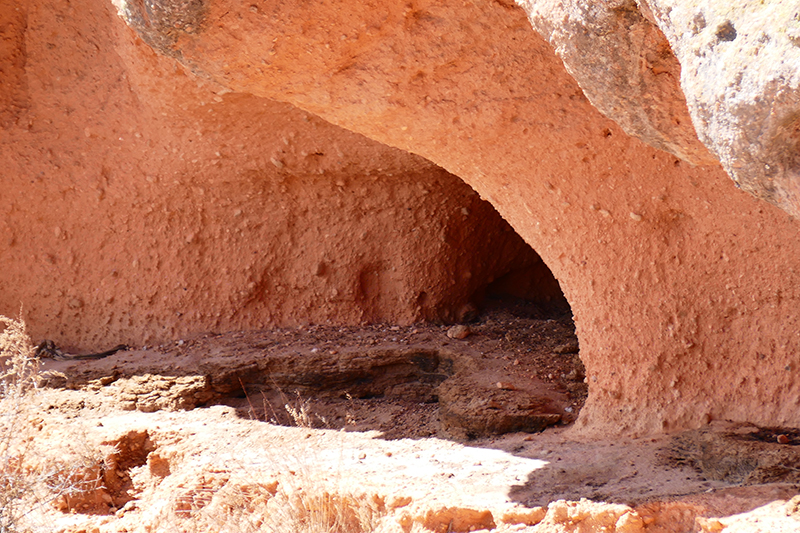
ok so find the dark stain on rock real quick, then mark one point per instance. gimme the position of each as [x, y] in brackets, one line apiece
[698, 23]
[726, 31]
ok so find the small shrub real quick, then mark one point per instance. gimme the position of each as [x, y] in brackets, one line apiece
[17, 379]
[31, 476]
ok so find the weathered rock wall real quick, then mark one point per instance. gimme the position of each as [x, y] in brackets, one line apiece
[624, 65]
[13, 90]
[684, 289]
[741, 76]
[738, 63]
[139, 204]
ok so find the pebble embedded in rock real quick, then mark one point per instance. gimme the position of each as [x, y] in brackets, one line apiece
[783, 439]
[459, 332]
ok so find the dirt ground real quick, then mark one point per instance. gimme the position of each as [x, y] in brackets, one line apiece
[447, 434]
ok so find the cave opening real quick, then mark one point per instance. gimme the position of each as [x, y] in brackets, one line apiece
[523, 306]
[515, 278]
[528, 288]
[518, 368]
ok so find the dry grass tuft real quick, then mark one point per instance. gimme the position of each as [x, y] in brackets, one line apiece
[22, 367]
[31, 476]
[287, 498]
[228, 503]
[18, 378]
[326, 512]
[302, 415]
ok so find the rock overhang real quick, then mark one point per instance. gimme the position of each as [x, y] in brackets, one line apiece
[683, 288]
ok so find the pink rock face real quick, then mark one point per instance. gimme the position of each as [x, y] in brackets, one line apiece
[684, 289]
[140, 204]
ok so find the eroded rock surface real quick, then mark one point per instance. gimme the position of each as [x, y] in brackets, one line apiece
[740, 453]
[737, 63]
[140, 203]
[403, 381]
[684, 290]
[142, 206]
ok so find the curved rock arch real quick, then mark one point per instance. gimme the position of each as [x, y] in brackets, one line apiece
[684, 289]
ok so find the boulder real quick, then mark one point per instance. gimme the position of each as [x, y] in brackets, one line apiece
[624, 65]
[741, 75]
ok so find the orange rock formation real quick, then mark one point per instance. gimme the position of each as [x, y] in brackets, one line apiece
[134, 192]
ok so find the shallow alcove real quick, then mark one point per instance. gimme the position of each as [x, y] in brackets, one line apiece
[517, 370]
[177, 208]
[225, 212]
